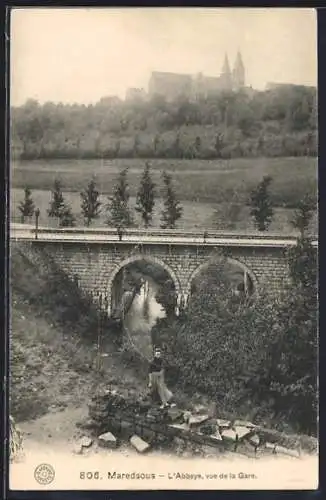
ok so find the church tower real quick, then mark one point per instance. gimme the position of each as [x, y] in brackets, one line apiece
[226, 76]
[238, 73]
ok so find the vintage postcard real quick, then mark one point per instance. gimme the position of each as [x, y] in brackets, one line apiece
[163, 249]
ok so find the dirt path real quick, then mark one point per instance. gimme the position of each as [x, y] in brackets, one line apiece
[52, 439]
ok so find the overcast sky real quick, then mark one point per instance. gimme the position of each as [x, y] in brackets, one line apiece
[81, 55]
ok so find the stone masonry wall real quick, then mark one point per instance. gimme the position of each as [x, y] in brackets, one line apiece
[96, 264]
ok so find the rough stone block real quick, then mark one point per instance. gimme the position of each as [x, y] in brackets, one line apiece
[174, 414]
[216, 436]
[208, 429]
[107, 440]
[242, 431]
[139, 444]
[197, 420]
[254, 440]
[244, 423]
[287, 451]
[244, 448]
[145, 433]
[186, 416]
[200, 409]
[144, 406]
[223, 423]
[159, 413]
[184, 426]
[86, 442]
[229, 435]
[126, 429]
[271, 447]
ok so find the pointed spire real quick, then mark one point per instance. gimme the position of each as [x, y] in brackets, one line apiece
[238, 72]
[238, 62]
[226, 65]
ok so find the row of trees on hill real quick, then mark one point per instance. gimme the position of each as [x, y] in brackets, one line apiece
[278, 122]
[120, 216]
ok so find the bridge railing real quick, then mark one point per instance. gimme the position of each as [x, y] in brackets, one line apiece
[161, 232]
[153, 236]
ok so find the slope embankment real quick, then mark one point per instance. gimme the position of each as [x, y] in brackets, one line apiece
[58, 355]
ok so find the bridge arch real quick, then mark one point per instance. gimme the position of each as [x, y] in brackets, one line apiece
[237, 263]
[148, 258]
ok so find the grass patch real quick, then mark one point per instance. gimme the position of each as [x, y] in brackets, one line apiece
[209, 181]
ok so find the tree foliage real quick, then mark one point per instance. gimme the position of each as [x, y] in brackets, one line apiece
[59, 208]
[145, 199]
[119, 214]
[261, 205]
[27, 206]
[303, 265]
[90, 204]
[293, 351]
[172, 208]
[277, 122]
[57, 203]
[258, 353]
[303, 214]
[66, 218]
[218, 335]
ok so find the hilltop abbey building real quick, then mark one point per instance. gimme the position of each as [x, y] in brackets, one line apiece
[172, 85]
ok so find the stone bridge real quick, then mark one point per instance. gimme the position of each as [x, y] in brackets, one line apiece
[95, 257]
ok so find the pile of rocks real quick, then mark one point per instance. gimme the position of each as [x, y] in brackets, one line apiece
[115, 418]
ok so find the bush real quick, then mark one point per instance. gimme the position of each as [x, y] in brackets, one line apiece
[237, 351]
[294, 376]
[221, 339]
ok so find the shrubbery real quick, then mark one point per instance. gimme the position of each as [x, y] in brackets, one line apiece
[217, 338]
[260, 353]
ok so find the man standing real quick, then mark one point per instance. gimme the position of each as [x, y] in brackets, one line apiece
[156, 379]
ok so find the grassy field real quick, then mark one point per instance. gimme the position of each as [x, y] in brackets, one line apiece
[195, 180]
[207, 189]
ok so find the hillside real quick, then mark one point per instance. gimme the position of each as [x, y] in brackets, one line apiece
[54, 364]
[274, 123]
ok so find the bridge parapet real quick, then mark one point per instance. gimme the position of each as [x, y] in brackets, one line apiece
[156, 236]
